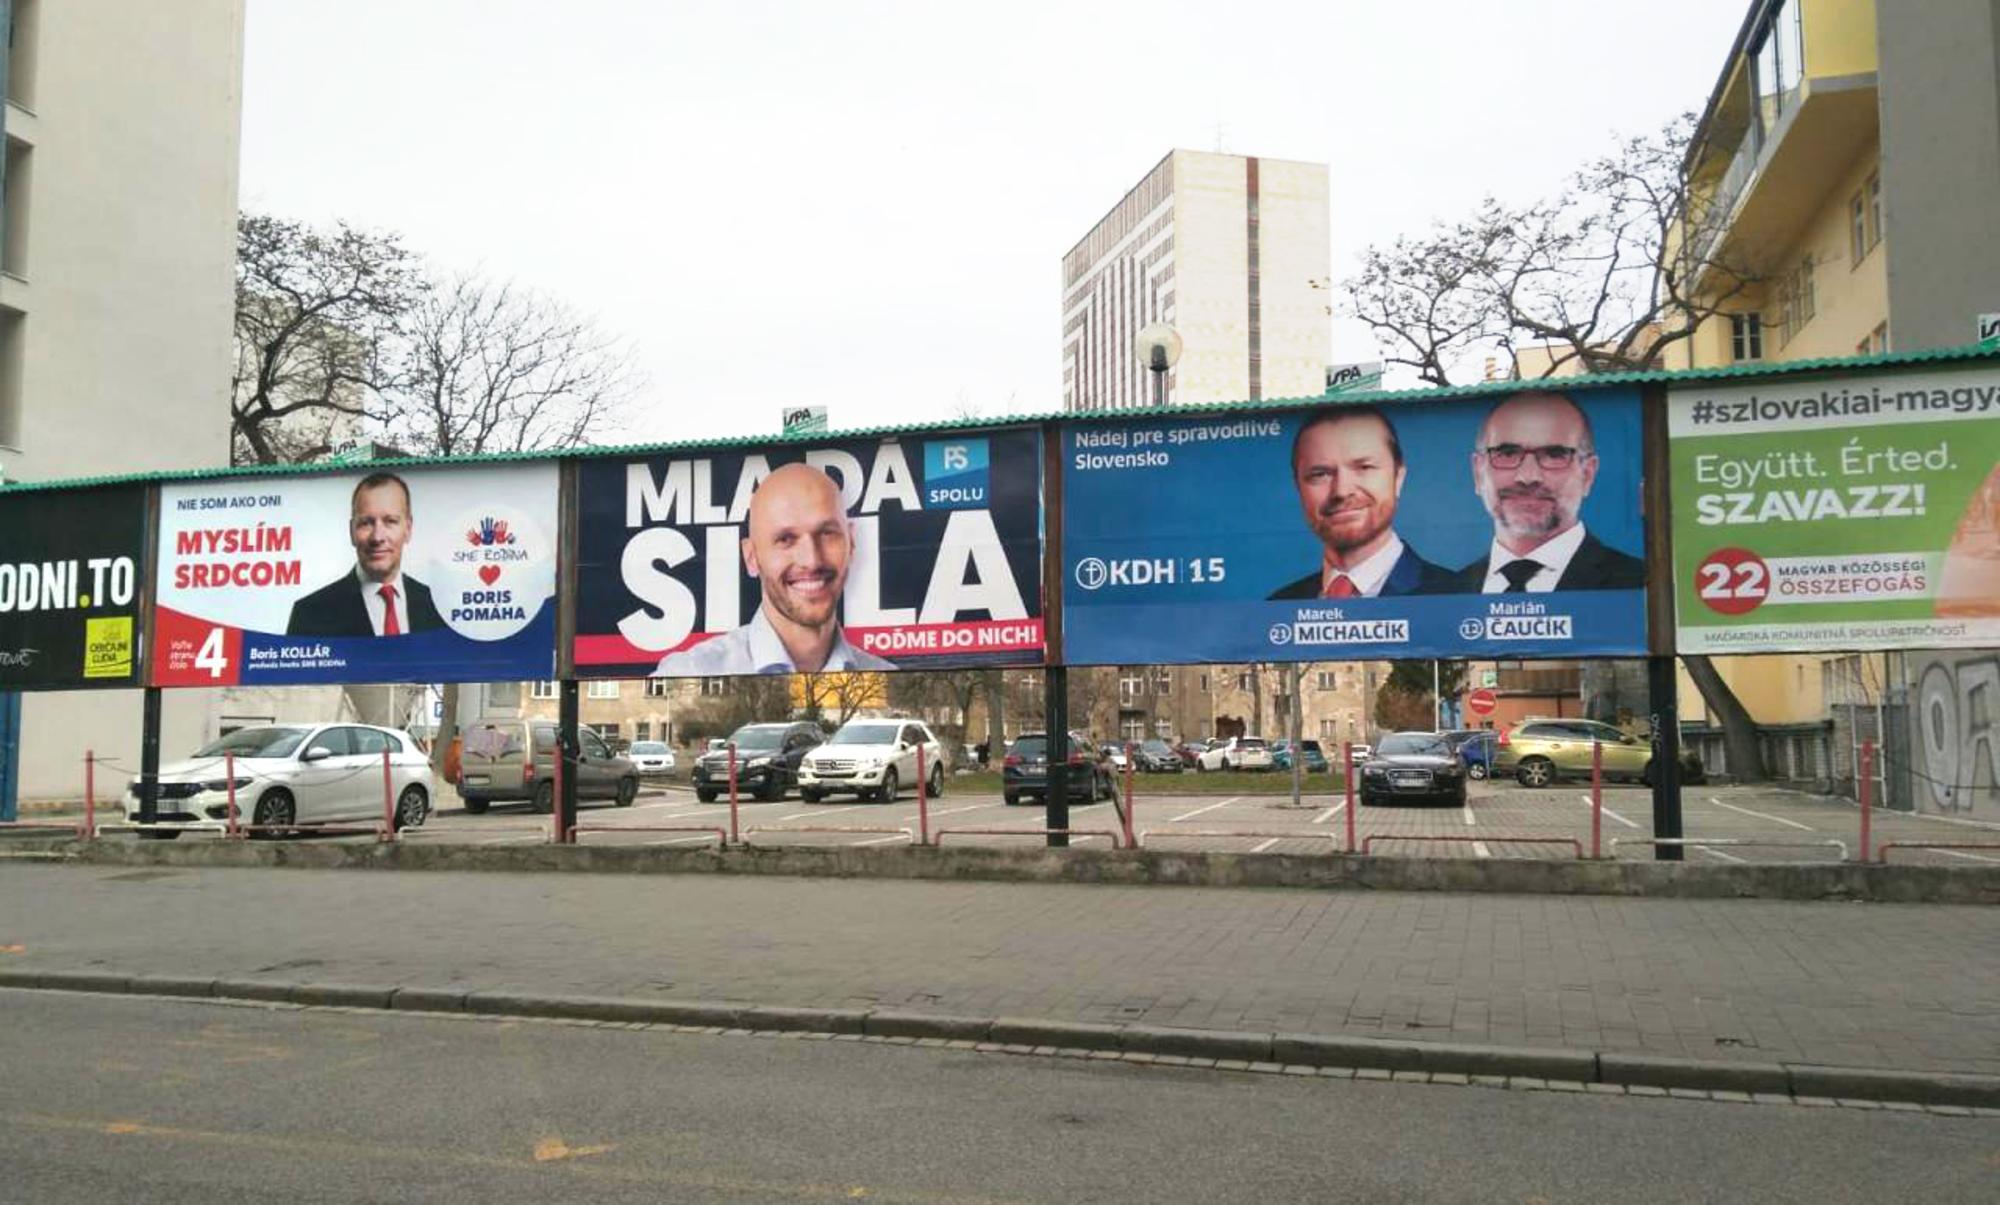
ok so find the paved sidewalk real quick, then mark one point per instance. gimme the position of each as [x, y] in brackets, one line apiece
[1899, 986]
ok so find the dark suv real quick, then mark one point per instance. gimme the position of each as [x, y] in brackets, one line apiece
[1026, 770]
[767, 760]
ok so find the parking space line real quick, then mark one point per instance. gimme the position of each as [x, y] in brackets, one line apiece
[1959, 853]
[1329, 813]
[1762, 815]
[681, 840]
[1985, 824]
[1716, 853]
[880, 840]
[1612, 814]
[1211, 807]
[852, 807]
[1266, 845]
[1467, 812]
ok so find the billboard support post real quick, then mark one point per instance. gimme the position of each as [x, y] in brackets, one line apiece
[1662, 684]
[149, 756]
[1662, 693]
[1347, 757]
[1055, 706]
[90, 791]
[568, 752]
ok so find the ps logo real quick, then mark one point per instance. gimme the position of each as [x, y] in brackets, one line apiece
[955, 457]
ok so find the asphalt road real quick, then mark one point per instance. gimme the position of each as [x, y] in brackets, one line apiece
[133, 1099]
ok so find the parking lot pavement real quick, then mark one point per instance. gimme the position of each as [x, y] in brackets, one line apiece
[1500, 820]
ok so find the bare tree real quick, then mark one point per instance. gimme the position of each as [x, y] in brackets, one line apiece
[494, 367]
[838, 695]
[1620, 265]
[316, 316]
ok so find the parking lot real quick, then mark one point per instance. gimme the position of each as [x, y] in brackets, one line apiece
[1500, 820]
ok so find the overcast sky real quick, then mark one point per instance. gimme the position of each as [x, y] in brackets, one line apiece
[865, 205]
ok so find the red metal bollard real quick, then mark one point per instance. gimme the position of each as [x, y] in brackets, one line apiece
[1131, 759]
[923, 802]
[388, 801]
[734, 833]
[1596, 798]
[1867, 789]
[1347, 752]
[89, 794]
[229, 773]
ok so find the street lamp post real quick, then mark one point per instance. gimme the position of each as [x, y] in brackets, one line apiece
[1159, 346]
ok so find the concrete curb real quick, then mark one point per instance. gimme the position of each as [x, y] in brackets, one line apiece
[1313, 1050]
[1037, 864]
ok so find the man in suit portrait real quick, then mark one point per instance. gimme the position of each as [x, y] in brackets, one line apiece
[1347, 466]
[377, 598]
[1533, 465]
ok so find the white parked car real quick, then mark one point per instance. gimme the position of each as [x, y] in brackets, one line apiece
[872, 759]
[1236, 753]
[292, 774]
[652, 758]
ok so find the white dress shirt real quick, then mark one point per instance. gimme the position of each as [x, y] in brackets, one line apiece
[1553, 557]
[755, 648]
[1369, 576]
[378, 607]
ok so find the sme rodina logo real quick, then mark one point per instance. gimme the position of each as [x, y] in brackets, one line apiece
[489, 532]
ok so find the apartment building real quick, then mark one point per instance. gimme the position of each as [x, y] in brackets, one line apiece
[1230, 250]
[1848, 160]
[117, 253]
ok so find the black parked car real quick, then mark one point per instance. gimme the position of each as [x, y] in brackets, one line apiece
[1025, 773]
[1158, 757]
[1418, 766]
[767, 761]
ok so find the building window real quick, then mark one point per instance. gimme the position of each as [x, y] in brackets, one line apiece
[605, 688]
[656, 688]
[1874, 209]
[10, 378]
[1204, 682]
[1163, 682]
[544, 690]
[608, 731]
[1798, 303]
[14, 210]
[1132, 728]
[1327, 679]
[1130, 686]
[1857, 228]
[642, 730]
[1164, 729]
[1329, 729]
[1243, 682]
[711, 687]
[1746, 336]
[22, 38]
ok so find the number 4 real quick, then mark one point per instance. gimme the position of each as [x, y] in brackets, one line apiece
[211, 656]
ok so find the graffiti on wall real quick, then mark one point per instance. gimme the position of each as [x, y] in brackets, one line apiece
[1957, 740]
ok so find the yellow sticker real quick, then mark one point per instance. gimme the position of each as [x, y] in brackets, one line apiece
[107, 647]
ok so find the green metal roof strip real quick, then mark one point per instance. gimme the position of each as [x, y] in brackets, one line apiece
[1988, 350]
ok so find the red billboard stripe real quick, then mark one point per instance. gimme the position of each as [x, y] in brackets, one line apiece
[616, 650]
[935, 639]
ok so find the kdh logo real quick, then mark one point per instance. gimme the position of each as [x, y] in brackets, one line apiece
[955, 474]
[488, 533]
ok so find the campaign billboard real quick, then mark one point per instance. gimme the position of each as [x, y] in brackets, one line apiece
[1837, 512]
[69, 587]
[1500, 526]
[908, 552]
[392, 575]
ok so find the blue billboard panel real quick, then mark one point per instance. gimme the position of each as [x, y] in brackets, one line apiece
[1498, 527]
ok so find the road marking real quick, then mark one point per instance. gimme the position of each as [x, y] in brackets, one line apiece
[1467, 812]
[1762, 815]
[682, 840]
[1986, 824]
[881, 840]
[1715, 853]
[970, 807]
[1328, 814]
[550, 1149]
[1959, 853]
[1211, 807]
[852, 807]
[1266, 845]
[1612, 814]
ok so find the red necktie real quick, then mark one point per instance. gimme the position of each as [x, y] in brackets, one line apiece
[389, 625]
[1342, 587]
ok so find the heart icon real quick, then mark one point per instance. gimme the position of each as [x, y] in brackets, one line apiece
[489, 574]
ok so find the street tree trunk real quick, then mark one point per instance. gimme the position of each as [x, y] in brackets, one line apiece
[1740, 754]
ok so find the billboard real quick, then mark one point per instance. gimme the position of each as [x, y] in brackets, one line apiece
[1505, 526]
[854, 554]
[417, 575]
[1838, 513]
[69, 587]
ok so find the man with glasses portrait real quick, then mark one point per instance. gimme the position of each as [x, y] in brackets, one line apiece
[1533, 466]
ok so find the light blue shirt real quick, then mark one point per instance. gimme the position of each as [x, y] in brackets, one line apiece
[755, 648]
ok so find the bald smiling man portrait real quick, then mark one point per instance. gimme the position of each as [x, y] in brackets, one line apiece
[1534, 463]
[799, 545]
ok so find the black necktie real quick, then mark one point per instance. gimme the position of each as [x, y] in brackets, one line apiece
[1518, 573]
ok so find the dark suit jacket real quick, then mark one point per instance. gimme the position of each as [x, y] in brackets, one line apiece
[1411, 574]
[1596, 566]
[336, 609]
